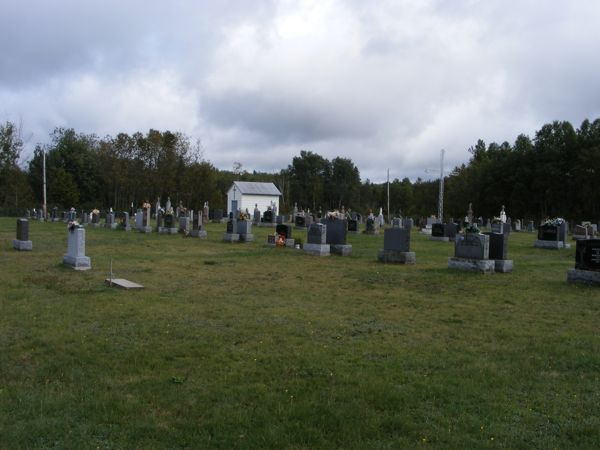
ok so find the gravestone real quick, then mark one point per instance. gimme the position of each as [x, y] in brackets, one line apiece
[146, 227]
[408, 223]
[353, 226]
[159, 220]
[75, 256]
[438, 232]
[396, 247]
[271, 240]
[244, 230]
[471, 252]
[336, 236]
[371, 226]
[54, 214]
[231, 234]
[72, 215]
[284, 230]
[267, 216]
[498, 252]
[280, 219]
[499, 227]
[552, 235]
[256, 215]
[300, 221]
[587, 262]
[95, 219]
[22, 242]
[198, 229]
[451, 230]
[517, 225]
[580, 232]
[139, 220]
[169, 225]
[530, 226]
[316, 241]
[184, 225]
[125, 221]
[396, 222]
[217, 215]
[110, 221]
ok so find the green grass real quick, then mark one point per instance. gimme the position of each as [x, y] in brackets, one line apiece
[244, 346]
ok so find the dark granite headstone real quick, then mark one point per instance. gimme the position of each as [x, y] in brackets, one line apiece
[168, 220]
[317, 234]
[22, 229]
[450, 230]
[300, 221]
[396, 239]
[498, 245]
[370, 224]
[230, 226]
[548, 233]
[437, 229]
[587, 255]
[285, 230]
[268, 216]
[352, 225]
[336, 231]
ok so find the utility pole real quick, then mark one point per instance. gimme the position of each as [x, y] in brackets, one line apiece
[388, 194]
[441, 195]
[44, 207]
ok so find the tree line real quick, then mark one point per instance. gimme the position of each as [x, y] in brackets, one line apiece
[557, 173]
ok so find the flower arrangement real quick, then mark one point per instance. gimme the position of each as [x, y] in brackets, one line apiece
[280, 240]
[472, 228]
[146, 205]
[95, 211]
[556, 222]
[496, 220]
[72, 225]
[243, 216]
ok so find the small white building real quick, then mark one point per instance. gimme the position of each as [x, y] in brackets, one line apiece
[244, 195]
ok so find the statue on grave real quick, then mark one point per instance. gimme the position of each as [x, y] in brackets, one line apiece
[168, 206]
[157, 205]
[469, 218]
[503, 215]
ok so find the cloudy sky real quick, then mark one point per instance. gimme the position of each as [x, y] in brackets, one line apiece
[385, 83]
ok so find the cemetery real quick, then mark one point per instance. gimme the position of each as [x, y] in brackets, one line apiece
[330, 323]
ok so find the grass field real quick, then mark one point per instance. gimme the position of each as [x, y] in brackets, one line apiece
[245, 346]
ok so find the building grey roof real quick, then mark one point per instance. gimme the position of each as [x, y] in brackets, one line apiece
[254, 188]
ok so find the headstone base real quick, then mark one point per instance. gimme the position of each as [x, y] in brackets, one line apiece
[23, 246]
[247, 237]
[583, 276]
[439, 238]
[164, 230]
[267, 224]
[78, 262]
[426, 231]
[317, 249]
[231, 237]
[397, 257]
[340, 249]
[473, 265]
[199, 234]
[503, 265]
[111, 226]
[123, 283]
[290, 243]
[551, 244]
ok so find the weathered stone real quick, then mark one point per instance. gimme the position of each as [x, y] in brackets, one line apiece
[474, 265]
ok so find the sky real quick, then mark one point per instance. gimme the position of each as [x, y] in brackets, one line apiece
[387, 84]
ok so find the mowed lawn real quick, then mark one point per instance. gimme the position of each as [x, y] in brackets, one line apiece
[245, 346]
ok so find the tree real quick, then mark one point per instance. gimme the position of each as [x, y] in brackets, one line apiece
[14, 190]
[343, 186]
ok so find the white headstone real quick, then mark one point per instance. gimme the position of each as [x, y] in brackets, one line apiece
[75, 256]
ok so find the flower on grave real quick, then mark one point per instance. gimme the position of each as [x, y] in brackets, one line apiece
[555, 222]
[169, 212]
[95, 211]
[243, 216]
[73, 225]
[496, 220]
[472, 228]
[146, 205]
[280, 242]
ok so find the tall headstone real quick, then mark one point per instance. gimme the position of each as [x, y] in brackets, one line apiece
[110, 220]
[498, 252]
[438, 232]
[22, 242]
[396, 247]
[198, 229]
[316, 240]
[125, 221]
[231, 234]
[336, 236]
[587, 263]
[75, 256]
[146, 226]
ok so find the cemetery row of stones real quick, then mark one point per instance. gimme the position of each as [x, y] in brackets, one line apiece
[473, 250]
